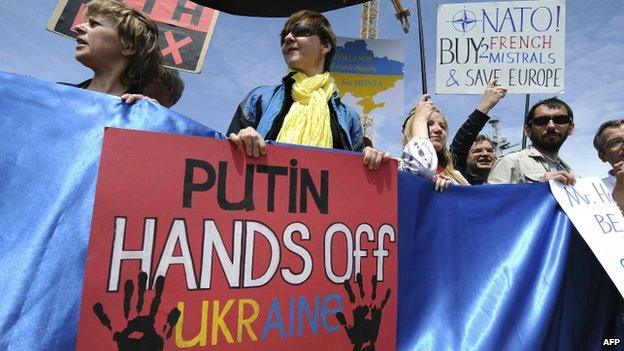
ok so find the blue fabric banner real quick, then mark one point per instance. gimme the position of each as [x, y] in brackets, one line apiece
[497, 268]
[481, 268]
[50, 143]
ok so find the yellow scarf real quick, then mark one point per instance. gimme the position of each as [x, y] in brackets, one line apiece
[307, 121]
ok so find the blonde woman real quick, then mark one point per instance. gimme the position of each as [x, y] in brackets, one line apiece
[425, 153]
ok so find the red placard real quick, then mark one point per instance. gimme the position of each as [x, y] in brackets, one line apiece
[295, 250]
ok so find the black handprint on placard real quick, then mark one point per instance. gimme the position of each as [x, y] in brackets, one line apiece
[140, 334]
[364, 328]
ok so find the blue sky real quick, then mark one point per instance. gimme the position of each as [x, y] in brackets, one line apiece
[245, 53]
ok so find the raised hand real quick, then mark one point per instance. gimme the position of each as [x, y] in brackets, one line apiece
[419, 117]
[491, 96]
[424, 108]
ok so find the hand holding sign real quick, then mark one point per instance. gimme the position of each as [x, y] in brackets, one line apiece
[419, 116]
[492, 95]
[140, 333]
[424, 108]
[373, 158]
[618, 190]
[251, 141]
[560, 176]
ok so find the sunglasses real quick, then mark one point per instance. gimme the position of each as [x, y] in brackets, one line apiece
[543, 120]
[298, 31]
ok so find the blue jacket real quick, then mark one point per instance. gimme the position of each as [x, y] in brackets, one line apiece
[265, 107]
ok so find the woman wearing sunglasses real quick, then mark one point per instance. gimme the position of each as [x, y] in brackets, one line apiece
[305, 108]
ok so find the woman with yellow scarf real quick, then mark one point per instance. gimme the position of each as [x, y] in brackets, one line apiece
[305, 109]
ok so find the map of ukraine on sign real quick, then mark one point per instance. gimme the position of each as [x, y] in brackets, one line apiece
[185, 28]
[195, 246]
[369, 75]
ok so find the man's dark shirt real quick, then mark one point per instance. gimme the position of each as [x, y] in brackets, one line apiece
[463, 140]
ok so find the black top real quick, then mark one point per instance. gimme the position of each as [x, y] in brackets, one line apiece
[462, 142]
[85, 85]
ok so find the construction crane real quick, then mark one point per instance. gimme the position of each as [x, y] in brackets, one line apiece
[368, 30]
[401, 14]
[369, 26]
[370, 20]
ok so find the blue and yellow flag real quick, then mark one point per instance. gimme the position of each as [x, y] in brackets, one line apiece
[480, 268]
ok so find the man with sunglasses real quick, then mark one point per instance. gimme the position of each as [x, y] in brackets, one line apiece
[305, 108]
[609, 142]
[549, 123]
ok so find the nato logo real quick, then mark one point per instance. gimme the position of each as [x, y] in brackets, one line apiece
[464, 21]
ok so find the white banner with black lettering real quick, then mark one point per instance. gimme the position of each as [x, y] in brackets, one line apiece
[591, 208]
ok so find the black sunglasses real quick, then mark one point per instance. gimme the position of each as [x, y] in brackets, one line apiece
[543, 120]
[298, 31]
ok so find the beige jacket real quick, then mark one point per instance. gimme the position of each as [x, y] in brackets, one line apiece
[525, 166]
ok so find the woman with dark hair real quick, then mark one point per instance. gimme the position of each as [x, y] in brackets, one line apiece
[305, 109]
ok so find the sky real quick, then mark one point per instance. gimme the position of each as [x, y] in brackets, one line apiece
[245, 53]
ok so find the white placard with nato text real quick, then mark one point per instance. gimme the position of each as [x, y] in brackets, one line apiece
[520, 43]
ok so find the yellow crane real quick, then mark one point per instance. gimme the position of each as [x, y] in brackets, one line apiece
[369, 25]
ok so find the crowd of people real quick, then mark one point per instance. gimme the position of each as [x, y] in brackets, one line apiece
[120, 45]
